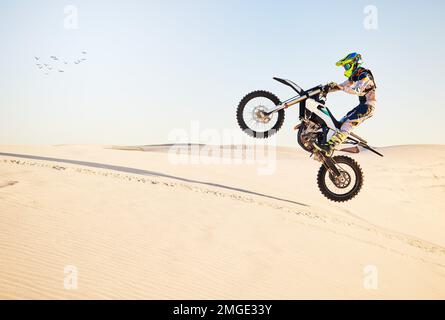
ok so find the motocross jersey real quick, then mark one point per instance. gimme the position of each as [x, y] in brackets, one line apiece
[362, 84]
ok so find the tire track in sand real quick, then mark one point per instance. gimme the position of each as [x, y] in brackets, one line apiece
[318, 220]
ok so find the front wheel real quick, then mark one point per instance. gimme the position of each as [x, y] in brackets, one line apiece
[251, 118]
[344, 187]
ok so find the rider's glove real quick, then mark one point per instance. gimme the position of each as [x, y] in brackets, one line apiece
[325, 89]
[332, 85]
[329, 87]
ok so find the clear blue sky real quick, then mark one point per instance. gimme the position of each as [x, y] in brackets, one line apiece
[157, 65]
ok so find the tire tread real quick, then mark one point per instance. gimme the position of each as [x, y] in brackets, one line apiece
[239, 114]
[343, 198]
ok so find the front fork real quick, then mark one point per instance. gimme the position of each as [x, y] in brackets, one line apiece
[328, 162]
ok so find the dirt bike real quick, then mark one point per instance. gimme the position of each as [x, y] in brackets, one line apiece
[260, 114]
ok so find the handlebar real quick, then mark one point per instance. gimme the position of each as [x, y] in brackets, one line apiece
[319, 87]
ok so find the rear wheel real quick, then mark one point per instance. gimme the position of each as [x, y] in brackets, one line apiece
[344, 187]
[251, 118]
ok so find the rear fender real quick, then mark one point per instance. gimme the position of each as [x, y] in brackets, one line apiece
[291, 84]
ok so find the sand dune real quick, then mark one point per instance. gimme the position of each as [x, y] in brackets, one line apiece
[134, 224]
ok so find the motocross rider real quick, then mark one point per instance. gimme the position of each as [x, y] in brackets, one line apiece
[360, 82]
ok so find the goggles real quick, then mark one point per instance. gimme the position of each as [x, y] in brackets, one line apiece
[347, 66]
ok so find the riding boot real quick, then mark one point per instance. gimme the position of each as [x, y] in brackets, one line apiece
[328, 148]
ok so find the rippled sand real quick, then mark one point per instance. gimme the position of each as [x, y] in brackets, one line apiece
[136, 224]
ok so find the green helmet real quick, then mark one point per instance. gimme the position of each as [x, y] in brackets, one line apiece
[351, 63]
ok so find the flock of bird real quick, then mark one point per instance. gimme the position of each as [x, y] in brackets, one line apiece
[57, 64]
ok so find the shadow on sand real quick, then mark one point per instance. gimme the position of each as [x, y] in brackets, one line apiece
[147, 173]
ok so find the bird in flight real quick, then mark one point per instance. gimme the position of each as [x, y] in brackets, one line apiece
[57, 63]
